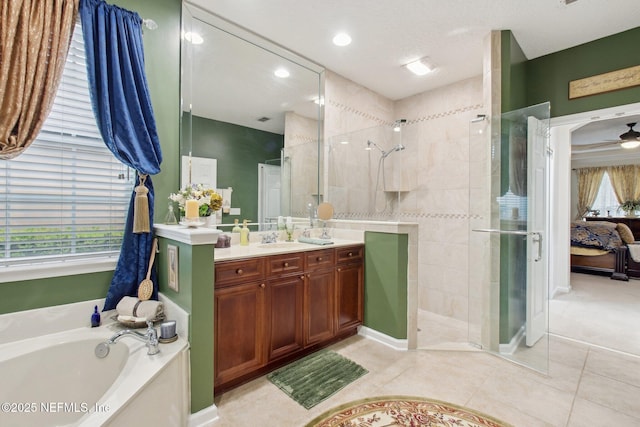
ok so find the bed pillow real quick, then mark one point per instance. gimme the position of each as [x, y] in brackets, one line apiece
[625, 233]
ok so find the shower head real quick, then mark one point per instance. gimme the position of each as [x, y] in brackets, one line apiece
[398, 147]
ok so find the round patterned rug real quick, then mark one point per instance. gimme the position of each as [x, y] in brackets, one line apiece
[403, 411]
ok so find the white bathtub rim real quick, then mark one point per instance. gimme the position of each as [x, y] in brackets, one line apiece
[139, 370]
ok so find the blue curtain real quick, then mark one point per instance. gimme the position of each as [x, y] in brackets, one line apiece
[122, 106]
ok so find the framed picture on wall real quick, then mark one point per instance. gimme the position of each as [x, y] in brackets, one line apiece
[172, 266]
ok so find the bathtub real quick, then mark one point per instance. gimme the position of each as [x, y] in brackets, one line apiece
[56, 379]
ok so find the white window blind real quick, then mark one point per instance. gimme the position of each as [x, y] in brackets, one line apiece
[66, 196]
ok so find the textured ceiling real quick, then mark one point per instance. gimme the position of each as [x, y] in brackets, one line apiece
[388, 34]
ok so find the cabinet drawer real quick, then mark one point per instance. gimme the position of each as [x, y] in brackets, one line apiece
[285, 263]
[350, 254]
[320, 259]
[230, 272]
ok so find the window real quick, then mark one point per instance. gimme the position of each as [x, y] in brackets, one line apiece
[606, 201]
[66, 196]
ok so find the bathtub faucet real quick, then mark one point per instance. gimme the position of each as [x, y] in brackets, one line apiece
[150, 338]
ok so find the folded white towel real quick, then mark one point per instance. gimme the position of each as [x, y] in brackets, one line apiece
[634, 251]
[144, 310]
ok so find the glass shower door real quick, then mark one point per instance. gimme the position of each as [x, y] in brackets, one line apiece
[509, 237]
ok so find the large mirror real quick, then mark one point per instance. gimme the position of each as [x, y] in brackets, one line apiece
[251, 120]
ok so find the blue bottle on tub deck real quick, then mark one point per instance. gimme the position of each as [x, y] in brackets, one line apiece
[95, 318]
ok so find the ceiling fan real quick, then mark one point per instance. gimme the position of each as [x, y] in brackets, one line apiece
[629, 139]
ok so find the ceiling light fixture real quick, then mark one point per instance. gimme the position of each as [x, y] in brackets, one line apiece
[631, 138]
[342, 39]
[419, 67]
[630, 144]
[282, 73]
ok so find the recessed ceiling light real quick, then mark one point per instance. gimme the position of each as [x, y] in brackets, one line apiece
[344, 142]
[419, 67]
[342, 39]
[282, 73]
[193, 38]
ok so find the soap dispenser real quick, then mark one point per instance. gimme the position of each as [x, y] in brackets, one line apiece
[236, 228]
[244, 234]
[95, 317]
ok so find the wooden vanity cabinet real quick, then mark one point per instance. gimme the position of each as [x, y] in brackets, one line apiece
[274, 309]
[319, 297]
[239, 319]
[284, 305]
[349, 288]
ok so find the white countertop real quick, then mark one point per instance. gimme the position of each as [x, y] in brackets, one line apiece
[255, 249]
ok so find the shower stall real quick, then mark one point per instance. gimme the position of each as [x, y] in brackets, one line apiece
[365, 176]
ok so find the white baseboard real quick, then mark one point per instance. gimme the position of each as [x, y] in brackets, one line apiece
[560, 290]
[205, 417]
[513, 344]
[395, 343]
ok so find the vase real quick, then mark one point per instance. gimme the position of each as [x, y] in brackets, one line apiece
[210, 221]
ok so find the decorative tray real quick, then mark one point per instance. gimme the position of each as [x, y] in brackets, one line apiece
[137, 324]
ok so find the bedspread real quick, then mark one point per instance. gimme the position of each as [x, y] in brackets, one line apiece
[595, 234]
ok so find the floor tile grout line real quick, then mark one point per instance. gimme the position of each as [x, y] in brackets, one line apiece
[575, 395]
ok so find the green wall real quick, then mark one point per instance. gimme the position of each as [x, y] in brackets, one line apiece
[162, 61]
[195, 296]
[513, 71]
[238, 149]
[385, 275]
[548, 76]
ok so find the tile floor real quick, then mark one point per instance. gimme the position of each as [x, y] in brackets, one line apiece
[587, 386]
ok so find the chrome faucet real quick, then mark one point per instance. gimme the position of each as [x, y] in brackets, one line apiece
[313, 213]
[270, 237]
[150, 338]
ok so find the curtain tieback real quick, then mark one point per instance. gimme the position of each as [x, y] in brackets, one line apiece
[141, 208]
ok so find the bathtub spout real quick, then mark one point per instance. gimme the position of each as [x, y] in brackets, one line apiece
[150, 338]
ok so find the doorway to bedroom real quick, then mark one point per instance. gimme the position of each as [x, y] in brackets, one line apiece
[587, 307]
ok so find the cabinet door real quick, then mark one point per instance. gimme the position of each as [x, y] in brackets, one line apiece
[239, 330]
[319, 306]
[349, 296]
[284, 311]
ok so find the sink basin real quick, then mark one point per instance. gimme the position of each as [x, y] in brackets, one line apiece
[281, 245]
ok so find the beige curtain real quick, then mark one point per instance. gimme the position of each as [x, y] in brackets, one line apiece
[589, 180]
[624, 180]
[34, 42]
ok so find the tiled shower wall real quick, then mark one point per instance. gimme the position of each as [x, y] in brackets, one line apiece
[432, 172]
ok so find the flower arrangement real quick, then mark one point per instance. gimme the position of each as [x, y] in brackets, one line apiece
[630, 206]
[208, 200]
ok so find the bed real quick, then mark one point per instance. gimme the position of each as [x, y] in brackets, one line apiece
[600, 247]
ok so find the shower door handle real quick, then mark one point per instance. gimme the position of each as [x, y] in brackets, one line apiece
[536, 237]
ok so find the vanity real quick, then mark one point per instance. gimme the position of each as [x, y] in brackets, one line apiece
[275, 304]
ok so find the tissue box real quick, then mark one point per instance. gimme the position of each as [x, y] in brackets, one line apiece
[224, 241]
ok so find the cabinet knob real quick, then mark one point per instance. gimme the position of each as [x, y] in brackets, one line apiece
[286, 264]
[350, 254]
[262, 285]
[302, 277]
[319, 259]
[239, 271]
[339, 269]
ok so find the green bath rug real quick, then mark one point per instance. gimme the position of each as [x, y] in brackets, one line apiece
[313, 378]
